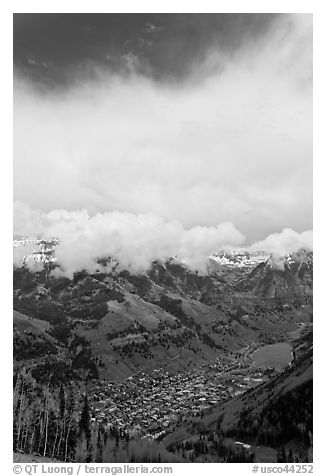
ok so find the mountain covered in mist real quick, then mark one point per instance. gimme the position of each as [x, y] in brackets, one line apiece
[168, 316]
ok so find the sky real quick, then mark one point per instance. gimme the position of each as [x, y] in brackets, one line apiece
[153, 135]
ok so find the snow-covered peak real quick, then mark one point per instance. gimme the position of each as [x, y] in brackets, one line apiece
[36, 250]
[239, 259]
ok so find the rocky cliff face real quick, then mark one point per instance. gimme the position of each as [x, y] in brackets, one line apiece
[285, 278]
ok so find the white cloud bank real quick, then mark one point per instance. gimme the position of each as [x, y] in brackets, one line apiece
[280, 244]
[136, 240]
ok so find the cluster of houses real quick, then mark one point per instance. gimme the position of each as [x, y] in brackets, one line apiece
[151, 405]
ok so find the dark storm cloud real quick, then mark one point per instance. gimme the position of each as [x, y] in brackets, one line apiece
[56, 48]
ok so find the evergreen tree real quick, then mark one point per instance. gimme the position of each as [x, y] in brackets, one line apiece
[290, 456]
[81, 453]
[281, 455]
[84, 422]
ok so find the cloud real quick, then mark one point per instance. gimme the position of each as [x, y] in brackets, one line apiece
[27, 222]
[280, 244]
[134, 240]
[233, 144]
[168, 45]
